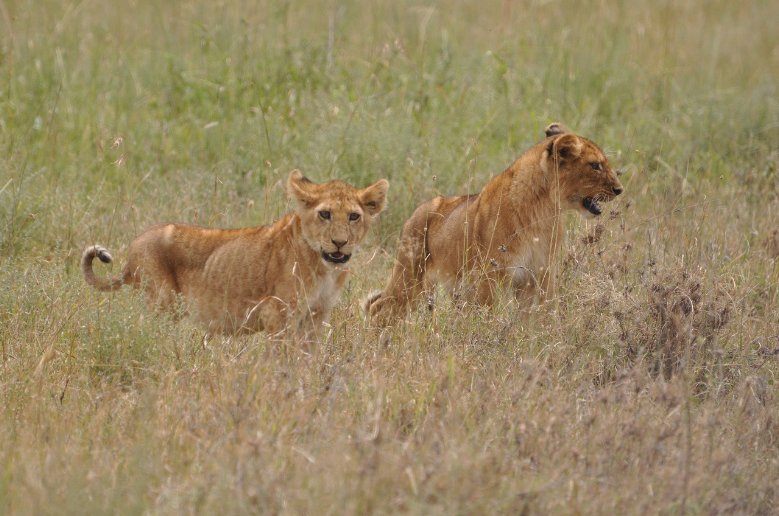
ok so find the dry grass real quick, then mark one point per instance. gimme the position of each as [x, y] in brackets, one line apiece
[649, 384]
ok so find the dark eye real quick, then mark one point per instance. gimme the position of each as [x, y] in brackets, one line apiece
[324, 214]
[595, 165]
[354, 216]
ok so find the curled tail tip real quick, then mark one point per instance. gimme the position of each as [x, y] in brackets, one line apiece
[98, 251]
[103, 284]
[555, 128]
[105, 256]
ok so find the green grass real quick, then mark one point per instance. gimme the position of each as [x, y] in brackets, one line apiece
[648, 385]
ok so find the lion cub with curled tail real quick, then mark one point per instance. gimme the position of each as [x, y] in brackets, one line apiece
[506, 234]
[284, 277]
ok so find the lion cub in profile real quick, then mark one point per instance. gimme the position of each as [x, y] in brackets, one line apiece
[282, 277]
[506, 234]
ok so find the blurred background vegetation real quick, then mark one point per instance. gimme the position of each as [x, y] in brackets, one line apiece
[108, 109]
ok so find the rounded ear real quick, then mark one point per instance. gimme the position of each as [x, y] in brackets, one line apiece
[567, 146]
[299, 189]
[374, 197]
[555, 128]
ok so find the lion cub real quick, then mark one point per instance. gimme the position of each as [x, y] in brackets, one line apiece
[506, 234]
[282, 277]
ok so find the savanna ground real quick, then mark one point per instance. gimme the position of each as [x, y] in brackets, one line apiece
[649, 384]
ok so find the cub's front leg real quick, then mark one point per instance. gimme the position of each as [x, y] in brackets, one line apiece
[274, 315]
[269, 314]
[315, 312]
[533, 287]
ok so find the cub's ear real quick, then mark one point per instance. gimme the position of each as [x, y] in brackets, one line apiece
[299, 190]
[567, 146]
[374, 197]
[555, 128]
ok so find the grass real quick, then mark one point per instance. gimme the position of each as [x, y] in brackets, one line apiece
[648, 385]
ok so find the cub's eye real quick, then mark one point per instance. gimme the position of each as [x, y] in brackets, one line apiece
[324, 214]
[595, 165]
[354, 216]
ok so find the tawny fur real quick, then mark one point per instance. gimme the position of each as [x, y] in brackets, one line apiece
[508, 234]
[275, 278]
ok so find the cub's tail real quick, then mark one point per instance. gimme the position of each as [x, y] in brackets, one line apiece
[555, 128]
[102, 284]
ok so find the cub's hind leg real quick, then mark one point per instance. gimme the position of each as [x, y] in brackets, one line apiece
[149, 267]
[407, 282]
[159, 284]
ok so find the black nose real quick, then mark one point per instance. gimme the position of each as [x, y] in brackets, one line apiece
[339, 243]
[617, 190]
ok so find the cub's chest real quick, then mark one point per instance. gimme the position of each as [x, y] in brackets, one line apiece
[324, 291]
[528, 263]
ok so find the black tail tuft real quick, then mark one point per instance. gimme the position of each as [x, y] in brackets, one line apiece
[103, 255]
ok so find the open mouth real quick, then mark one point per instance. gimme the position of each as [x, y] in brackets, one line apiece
[592, 206]
[336, 257]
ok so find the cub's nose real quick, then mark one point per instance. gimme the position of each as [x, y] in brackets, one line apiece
[339, 243]
[617, 190]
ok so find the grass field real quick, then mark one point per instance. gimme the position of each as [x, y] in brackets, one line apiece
[649, 384]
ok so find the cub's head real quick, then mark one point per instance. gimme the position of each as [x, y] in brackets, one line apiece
[584, 174]
[335, 215]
